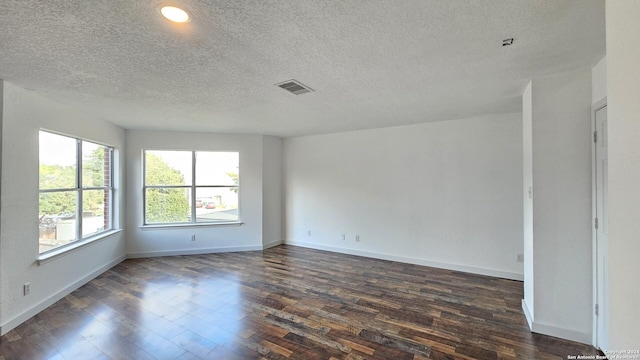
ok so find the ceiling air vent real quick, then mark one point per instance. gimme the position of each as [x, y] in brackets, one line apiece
[295, 87]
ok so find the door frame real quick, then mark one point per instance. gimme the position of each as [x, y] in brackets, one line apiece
[594, 233]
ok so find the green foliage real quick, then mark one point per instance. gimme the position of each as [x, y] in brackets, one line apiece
[236, 180]
[57, 177]
[64, 177]
[158, 172]
[58, 203]
[93, 168]
[165, 205]
[93, 175]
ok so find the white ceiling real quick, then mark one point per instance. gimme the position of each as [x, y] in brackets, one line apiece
[373, 63]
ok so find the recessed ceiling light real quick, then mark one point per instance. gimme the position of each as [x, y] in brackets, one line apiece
[173, 13]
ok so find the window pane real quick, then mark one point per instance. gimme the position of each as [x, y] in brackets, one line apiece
[96, 165]
[217, 168]
[57, 219]
[167, 168]
[57, 161]
[167, 205]
[217, 204]
[95, 212]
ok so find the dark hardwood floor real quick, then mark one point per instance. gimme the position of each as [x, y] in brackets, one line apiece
[285, 302]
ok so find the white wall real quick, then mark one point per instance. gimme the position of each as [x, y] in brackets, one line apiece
[24, 114]
[527, 167]
[445, 194]
[142, 242]
[599, 81]
[272, 191]
[1, 122]
[562, 262]
[623, 97]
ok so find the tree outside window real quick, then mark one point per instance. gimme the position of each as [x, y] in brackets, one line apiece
[75, 190]
[190, 187]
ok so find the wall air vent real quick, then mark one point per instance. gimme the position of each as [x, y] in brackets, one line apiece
[294, 87]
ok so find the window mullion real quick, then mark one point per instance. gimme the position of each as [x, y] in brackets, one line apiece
[193, 186]
[57, 190]
[79, 189]
[144, 187]
[112, 187]
[109, 190]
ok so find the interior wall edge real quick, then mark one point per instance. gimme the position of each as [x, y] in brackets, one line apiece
[271, 244]
[527, 313]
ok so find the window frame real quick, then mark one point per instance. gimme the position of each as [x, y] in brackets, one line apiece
[193, 187]
[79, 189]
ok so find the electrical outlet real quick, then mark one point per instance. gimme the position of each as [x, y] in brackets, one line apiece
[344, 236]
[357, 238]
[26, 289]
[193, 237]
[520, 258]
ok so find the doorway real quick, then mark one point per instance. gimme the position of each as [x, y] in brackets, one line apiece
[601, 226]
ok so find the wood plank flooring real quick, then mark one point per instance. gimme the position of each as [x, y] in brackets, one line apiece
[285, 303]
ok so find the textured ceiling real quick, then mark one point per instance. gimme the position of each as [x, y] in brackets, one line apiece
[372, 63]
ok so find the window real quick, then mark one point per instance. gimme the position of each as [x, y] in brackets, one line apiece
[188, 187]
[76, 190]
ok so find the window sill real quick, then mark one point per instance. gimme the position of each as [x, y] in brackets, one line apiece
[54, 254]
[189, 225]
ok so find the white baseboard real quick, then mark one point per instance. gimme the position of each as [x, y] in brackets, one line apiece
[34, 310]
[271, 244]
[562, 333]
[200, 251]
[456, 267]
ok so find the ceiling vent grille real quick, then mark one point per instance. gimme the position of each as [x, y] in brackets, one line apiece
[295, 87]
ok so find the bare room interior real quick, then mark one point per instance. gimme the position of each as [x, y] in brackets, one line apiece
[420, 179]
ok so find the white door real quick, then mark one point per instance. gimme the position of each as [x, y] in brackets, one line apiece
[602, 231]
